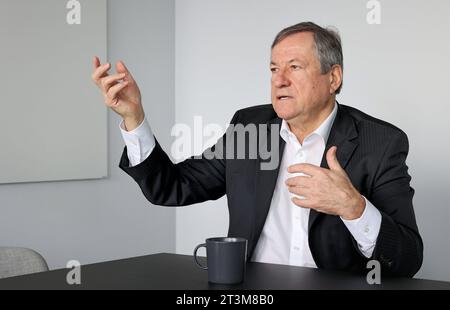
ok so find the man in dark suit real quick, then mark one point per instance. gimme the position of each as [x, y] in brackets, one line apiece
[339, 194]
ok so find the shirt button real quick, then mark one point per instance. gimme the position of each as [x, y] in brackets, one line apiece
[300, 153]
[366, 229]
[296, 248]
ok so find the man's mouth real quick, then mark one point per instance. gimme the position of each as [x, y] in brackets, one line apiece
[284, 97]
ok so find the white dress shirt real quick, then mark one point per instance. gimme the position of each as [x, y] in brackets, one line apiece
[140, 142]
[284, 238]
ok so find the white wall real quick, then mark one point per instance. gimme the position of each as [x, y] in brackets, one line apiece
[99, 220]
[397, 71]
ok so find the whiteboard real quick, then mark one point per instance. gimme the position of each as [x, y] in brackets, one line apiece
[53, 125]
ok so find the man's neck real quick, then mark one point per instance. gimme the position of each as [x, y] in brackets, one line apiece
[303, 126]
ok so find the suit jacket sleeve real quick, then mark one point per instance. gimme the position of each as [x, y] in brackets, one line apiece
[194, 180]
[399, 247]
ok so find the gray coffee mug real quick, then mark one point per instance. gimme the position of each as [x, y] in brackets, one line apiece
[226, 259]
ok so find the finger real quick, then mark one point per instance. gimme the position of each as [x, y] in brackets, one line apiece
[96, 62]
[332, 160]
[300, 191]
[307, 169]
[304, 203]
[109, 81]
[112, 95]
[100, 72]
[301, 181]
[121, 68]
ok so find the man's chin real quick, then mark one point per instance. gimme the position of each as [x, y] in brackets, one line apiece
[284, 113]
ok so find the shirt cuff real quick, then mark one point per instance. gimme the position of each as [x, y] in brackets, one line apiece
[365, 229]
[139, 141]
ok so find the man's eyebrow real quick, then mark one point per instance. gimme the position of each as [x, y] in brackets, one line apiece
[289, 62]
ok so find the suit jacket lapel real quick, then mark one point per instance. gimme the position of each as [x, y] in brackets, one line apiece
[342, 133]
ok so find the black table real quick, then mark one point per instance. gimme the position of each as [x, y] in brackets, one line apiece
[178, 272]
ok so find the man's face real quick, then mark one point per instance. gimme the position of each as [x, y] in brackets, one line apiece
[299, 90]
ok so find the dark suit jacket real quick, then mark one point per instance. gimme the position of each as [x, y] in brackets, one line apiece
[372, 152]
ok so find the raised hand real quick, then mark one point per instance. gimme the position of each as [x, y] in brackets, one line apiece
[120, 91]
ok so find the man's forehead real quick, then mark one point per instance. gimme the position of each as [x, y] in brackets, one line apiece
[291, 53]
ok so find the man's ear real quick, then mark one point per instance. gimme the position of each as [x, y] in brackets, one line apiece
[335, 78]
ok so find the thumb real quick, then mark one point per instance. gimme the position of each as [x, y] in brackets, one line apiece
[121, 68]
[332, 161]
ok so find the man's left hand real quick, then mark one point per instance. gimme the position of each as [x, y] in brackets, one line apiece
[328, 191]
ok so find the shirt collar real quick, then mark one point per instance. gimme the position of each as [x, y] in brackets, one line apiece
[323, 130]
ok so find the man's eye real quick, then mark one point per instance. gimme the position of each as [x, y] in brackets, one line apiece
[274, 70]
[295, 67]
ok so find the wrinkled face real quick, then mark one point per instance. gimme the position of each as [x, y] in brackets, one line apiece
[299, 90]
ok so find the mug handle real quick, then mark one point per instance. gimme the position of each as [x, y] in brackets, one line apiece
[196, 258]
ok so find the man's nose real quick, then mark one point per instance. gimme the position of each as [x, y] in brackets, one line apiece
[281, 80]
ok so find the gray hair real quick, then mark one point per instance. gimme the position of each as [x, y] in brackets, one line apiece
[327, 41]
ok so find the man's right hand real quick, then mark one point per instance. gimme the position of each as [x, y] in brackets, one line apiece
[121, 92]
